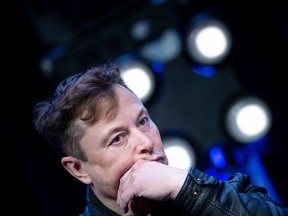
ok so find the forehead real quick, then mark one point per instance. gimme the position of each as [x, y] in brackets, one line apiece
[125, 95]
[124, 101]
[129, 106]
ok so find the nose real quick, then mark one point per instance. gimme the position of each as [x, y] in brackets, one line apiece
[143, 143]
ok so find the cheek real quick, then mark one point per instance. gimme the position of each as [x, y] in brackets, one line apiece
[111, 162]
[108, 171]
[154, 130]
[122, 161]
[156, 137]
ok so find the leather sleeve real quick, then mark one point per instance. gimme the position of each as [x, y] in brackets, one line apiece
[203, 194]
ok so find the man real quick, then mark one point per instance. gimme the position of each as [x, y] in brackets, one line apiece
[110, 143]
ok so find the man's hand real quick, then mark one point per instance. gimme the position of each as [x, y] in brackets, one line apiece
[151, 180]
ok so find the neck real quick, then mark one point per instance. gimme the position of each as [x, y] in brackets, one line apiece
[107, 201]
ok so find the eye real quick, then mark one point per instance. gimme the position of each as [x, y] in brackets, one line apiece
[117, 140]
[143, 121]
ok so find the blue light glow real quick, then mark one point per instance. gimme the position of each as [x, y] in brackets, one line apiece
[206, 71]
[157, 66]
[217, 157]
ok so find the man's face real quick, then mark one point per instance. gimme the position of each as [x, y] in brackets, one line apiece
[113, 146]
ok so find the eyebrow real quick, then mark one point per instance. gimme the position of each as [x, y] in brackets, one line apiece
[116, 129]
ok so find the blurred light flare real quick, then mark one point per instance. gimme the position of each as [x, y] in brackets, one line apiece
[203, 70]
[179, 151]
[251, 119]
[211, 46]
[248, 119]
[164, 48]
[217, 157]
[208, 41]
[140, 81]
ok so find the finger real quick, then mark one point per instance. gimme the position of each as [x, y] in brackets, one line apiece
[123, 196]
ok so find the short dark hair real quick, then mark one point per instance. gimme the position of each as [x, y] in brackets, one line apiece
[78, 101]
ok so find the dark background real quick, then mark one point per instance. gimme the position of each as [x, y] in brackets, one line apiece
[258, 65]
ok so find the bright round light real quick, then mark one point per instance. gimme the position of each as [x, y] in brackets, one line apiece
[211, 42]
[251, 120]
[248, 119]
[139, 79]
[179, 152]
[208, 42]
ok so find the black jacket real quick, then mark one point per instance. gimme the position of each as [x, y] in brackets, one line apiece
[203, 194]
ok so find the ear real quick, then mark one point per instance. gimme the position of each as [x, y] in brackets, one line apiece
[75, 167]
